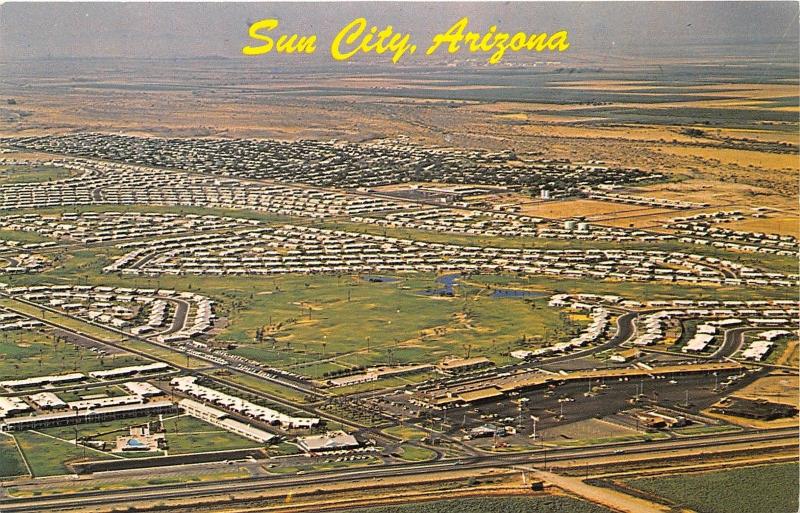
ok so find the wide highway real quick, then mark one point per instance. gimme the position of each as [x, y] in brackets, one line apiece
[261, 483]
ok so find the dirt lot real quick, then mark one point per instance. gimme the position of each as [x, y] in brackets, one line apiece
[778, 224]
[591, 209]
[779, 388]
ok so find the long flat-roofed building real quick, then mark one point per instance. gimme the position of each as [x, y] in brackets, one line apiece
[87, 416]
[129, 371]
[458, 365]
[222, 419]
[187, 385]
[42, 380]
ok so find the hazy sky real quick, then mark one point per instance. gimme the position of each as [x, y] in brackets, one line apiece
[202, 29]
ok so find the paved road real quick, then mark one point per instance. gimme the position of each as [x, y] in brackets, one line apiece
[180, 318]
[625, 330]
[789, 435]
[732, 342]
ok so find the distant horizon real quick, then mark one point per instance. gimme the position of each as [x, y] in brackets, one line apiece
[168, 31]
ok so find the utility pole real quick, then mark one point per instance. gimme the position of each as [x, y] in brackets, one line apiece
[545, 454]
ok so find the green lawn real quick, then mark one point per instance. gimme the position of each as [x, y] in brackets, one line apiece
[107, 431]
[262, 385]
[23, 237]
[32, 174]
[80, 393]
[406, 432]
[346, 322]
[29, 353]
[283, 449]
[219, 440]
[186, 424]
[48, 457]
[414, 453]
[762, 489]
[185, 435]
[11, 463]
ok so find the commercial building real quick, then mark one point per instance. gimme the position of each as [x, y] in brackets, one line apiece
[330, 441]
[222, 419]
[187, 385]
[67, 418]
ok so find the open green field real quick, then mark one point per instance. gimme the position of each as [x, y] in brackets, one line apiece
[48, 456]
[406, 432]
[283, 449]
[347, 322]
[214, 439]
[262, 385]
[106, 431]
[11, 463]
[537, 504]
[186, 424]
[32, 174]
[767, 488]
[414, 453]
[305, 313]
[185, 434]
[47, 450]
[22, 237]
[25, 354]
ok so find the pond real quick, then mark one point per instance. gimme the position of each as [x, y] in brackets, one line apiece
[447, 281]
